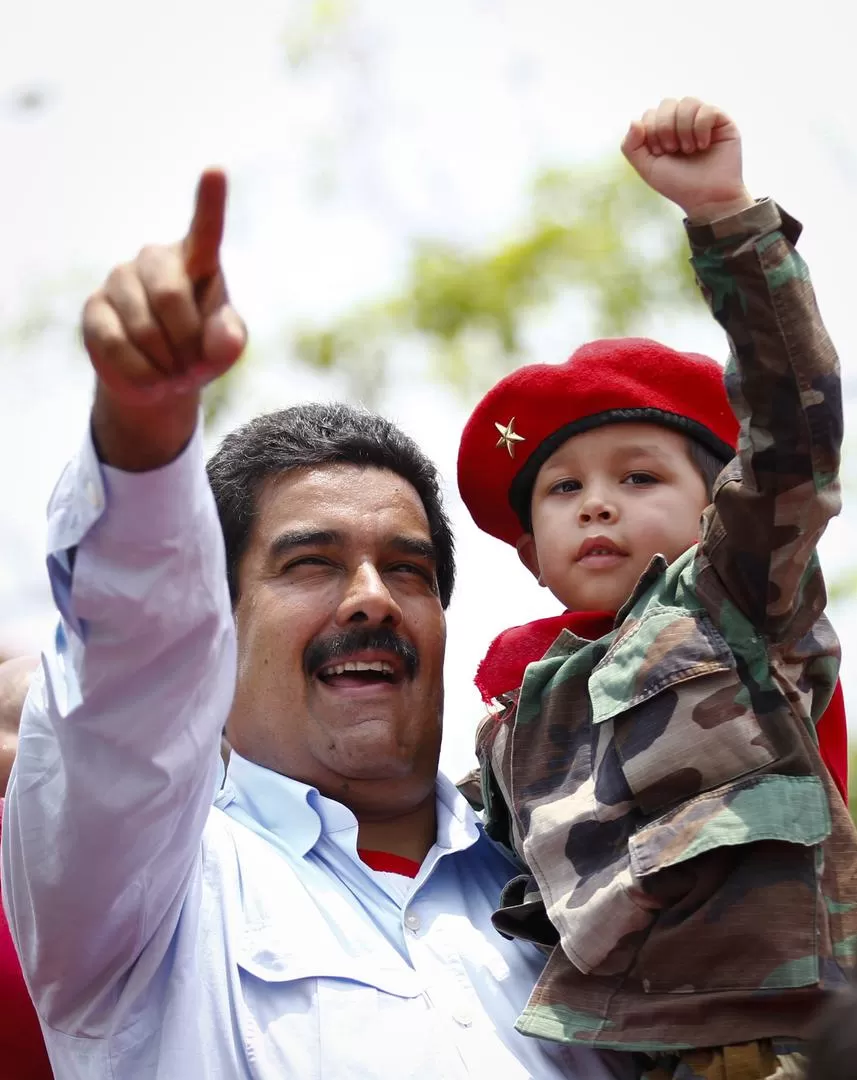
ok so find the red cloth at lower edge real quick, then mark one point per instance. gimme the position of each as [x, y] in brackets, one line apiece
[22, 1049]
[389, 864]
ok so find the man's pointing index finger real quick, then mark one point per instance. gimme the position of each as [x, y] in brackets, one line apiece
[202, 243]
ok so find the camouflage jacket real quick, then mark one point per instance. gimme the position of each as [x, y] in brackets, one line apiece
[689, 864]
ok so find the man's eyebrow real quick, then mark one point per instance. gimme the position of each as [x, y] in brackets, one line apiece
[412, 545]
[302, 538]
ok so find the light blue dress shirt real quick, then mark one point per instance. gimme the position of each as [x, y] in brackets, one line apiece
[164, 938]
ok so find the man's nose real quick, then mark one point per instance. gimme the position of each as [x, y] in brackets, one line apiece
[367, 599]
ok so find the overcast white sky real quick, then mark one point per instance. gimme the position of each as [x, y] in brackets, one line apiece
[431, 122]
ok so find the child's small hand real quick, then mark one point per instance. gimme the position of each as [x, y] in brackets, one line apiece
[690, 153]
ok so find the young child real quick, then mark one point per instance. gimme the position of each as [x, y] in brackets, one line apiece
[690, 866]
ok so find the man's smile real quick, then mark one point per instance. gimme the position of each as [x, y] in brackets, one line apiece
[366, 669]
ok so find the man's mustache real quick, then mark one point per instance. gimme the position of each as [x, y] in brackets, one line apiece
[328, 650]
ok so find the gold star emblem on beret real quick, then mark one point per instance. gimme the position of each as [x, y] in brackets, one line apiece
[508, 436]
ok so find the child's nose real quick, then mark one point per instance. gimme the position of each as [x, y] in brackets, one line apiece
[595, 508]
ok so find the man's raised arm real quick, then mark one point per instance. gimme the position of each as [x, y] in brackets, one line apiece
[120, 735]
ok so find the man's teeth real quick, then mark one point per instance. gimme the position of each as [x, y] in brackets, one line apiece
[601, 551]
[381, 666]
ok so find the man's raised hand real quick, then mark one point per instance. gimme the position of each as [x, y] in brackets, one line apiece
[156, 332]
[690, 153]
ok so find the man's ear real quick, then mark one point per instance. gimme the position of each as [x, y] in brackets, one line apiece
[528, 555]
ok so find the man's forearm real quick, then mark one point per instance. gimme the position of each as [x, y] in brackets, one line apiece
[142, 438]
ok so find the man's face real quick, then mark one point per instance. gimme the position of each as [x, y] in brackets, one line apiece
[604, 504]
[341, 637]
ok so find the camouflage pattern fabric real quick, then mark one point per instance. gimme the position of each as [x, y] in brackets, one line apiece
[687, 863]
[749, 1061]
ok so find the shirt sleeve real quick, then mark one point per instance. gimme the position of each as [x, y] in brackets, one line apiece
[120, 735]
[773, 501]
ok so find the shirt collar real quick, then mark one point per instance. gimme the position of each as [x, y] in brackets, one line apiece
[298, 814]
[457, 824]
[658, 566]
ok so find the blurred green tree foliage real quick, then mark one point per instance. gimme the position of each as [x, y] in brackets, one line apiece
[594, 234]
[593, 237]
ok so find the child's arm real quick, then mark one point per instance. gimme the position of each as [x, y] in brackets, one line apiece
[774, 501]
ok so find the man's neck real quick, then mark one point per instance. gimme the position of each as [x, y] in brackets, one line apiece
[410, 835]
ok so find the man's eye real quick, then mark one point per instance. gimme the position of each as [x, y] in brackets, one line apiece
[412, 568]
[640, 478]
[305, 560]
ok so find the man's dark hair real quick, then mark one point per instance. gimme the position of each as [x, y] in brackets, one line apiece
[304, 437]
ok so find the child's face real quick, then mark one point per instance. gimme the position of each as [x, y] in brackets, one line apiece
[603, 504]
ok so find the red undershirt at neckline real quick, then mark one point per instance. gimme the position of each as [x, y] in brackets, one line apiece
[389, 864]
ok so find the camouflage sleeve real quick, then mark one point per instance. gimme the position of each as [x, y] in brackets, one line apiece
[772, 503]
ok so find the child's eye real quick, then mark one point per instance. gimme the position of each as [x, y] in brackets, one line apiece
[640, 479]
[566, 487]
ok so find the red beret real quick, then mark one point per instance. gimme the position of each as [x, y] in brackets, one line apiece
[524, 418]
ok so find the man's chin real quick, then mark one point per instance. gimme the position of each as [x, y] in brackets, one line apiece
[373, 748]
[369, 758]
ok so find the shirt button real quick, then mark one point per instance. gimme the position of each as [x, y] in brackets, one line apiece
[93, 495]
[412, 921]
[462, 1017]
